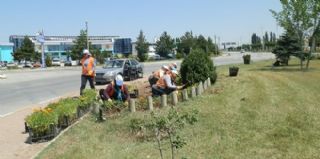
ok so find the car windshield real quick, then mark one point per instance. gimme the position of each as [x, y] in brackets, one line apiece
[114, 64]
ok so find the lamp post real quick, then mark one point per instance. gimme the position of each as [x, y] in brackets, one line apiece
[87, 35]
[40, 38]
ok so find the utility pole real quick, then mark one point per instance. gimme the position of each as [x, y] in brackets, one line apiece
[87, 35]
[215, 42]
[40, 38]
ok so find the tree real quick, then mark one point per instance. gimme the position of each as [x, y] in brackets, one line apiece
[185, 43]
[212, 48]
[287, 46]
[255, 42]
[300, 18]
[165, 45]
[196, 67]
[26, 51]
[142, 47]
[79, 45]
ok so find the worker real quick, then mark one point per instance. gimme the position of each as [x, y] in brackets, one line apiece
[116, 90]
[88, 70]
[157, 75]
[173, 66]
[166, 84]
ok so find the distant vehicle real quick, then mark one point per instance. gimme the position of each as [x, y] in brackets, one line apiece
[155, 57]
[242, 51]
[130, 69]
[56, 62]
[68, 63]
[36, 65]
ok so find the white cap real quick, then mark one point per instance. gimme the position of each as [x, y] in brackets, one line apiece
[86, 51]
[119, 80]
[165, 67]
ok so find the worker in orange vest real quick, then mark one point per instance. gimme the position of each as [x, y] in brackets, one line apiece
[157, 75]
[88, 70]
[116, 90]
[166, 84]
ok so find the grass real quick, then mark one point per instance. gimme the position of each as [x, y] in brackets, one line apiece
[262, 113]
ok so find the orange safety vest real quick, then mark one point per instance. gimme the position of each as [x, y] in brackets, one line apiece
[111, 92]
[161, 83]
[159, 73]
[88, 66]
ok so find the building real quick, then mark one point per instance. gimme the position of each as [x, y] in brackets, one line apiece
[6, 50]
[57, 46]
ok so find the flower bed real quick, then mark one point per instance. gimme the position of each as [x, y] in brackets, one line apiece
[46, 123]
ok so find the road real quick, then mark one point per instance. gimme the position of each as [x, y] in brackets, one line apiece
[29, 88]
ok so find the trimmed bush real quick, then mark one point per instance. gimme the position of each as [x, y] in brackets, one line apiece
[196, 67]
[246, 58]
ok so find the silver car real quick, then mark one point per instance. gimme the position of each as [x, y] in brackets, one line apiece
[130, 69]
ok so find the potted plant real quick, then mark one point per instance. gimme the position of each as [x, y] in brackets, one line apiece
[246, 58]
[233, 71]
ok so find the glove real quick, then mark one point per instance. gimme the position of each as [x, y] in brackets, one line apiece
[126, 103]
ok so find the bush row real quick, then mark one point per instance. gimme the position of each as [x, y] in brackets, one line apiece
[46, 122]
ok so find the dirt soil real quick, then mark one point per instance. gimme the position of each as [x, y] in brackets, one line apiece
[13, 138]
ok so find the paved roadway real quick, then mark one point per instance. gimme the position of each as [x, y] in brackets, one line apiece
[36, 87]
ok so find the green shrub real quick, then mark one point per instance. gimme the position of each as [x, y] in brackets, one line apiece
[179, 55]
[48, 61]
[67, 107]
[246, 58]
[196, 67]
[88, 98]
[41, 120]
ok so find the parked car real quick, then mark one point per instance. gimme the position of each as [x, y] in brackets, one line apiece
[130, 69]
[154, 57]
[67, 63]
[56, 62]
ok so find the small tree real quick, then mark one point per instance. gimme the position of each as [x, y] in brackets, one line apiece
[288, 45]
[48, 61]
[165, 45]
[79, 45]
[166, 127]
[142, 47]
[196, 67]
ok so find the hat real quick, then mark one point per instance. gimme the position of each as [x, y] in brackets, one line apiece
[85, 51]
[174, 64]
[165, 67]
[119, 80]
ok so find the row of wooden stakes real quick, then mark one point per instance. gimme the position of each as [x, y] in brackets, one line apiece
[195, 91]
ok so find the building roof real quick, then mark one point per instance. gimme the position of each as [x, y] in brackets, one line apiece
[6, 44]
[62, 38]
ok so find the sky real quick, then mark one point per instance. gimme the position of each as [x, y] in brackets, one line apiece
[231, 20]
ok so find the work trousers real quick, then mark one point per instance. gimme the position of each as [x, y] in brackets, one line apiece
[84, 80]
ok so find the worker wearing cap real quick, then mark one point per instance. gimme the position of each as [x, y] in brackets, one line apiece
[166, 84]
[88, 70]
[116, 90]
[173, 66]
[157, 75]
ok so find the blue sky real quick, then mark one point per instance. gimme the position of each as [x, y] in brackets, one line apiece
[231, 20]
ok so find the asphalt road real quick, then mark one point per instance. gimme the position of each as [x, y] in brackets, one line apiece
[29, 88]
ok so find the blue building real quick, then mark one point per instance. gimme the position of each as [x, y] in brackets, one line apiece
[6, 50]
[57, 46]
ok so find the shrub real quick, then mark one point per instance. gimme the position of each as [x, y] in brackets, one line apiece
[196, 67]
[67, 107]
[88, 98]
[179, 55]
[48, 61]
[246, 58]
[41, 120]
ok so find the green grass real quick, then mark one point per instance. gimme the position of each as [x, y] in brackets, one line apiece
[262, 113]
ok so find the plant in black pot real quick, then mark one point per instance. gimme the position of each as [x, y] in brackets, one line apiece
[246, 58]
[233, 71]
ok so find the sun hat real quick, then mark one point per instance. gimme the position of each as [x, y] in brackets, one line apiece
[165, 67]
[119, 80]
[86, 51]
